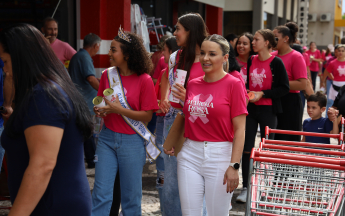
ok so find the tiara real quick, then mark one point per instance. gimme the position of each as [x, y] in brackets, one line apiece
[123, 35]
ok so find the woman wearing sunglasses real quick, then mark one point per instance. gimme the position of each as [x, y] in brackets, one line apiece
[291, 117]
[268, 81]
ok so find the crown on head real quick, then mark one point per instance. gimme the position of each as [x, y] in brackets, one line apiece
[123, 35]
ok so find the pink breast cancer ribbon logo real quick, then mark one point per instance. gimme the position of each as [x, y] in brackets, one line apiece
[341, 70]
[199, 107]
[257, 78]
[242, 72]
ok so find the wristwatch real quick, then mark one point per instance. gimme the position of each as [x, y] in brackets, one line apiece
[236, 166]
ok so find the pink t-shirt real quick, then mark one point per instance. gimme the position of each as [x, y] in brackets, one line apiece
[210, 107]
[158, 89]
[243, 71]
[295, 66]
[337, 68]
[159, 67]
[314, 66]
[195, 71]
[140, 95]
[238, 76]
[63, 50]
[306, 59]
[260, 78]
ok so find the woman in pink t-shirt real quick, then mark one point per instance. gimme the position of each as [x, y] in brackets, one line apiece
[291, 117]
[215, 113]
[170, 46]
[120, 147]
[244, 49]
[336, 72]
[233, 67]
[190, 33]
[315, 60]
[267, 80]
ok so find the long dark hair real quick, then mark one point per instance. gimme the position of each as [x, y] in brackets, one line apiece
[251, 38]
[233, 64]
[34, 62]
[290, 29]
[138, 60]
[195, 25]
[171, 44]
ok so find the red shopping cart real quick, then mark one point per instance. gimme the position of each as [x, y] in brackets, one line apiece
[297, 178]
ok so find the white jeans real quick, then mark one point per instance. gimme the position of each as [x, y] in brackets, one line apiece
[200, 170]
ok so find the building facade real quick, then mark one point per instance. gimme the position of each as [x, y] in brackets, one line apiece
[325, 24]
[251, 15]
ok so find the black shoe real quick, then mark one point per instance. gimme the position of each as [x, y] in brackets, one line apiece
[91, 165]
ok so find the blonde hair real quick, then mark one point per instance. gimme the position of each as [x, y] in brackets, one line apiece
[223, 44]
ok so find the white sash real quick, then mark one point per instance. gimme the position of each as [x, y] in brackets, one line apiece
[172, 64]
[115, 83]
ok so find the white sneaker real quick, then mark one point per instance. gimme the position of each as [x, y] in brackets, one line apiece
[243, 196]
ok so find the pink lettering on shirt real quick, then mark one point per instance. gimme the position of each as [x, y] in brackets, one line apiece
[210, 107]
[198, 107]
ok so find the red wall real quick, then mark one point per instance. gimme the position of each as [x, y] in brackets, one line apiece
[104, 17]
[214, 19]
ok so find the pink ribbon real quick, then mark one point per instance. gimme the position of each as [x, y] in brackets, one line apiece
[195, 115]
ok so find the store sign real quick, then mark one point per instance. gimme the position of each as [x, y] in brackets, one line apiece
[302, 22]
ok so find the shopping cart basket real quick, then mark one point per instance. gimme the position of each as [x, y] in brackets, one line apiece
[295, 184]
[296, 178]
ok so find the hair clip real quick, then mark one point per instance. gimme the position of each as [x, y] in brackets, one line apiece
[123, 35]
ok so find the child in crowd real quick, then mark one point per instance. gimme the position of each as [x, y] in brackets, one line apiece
[316, 105]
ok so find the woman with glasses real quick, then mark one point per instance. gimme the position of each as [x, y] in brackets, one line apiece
[291, 117]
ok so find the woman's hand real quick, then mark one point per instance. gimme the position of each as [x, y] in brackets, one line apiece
[332, 114]
[258, 96]
[97, 111]
[180, 93]
[112, 107]
[231, 178]
[170, 153]
[165, 105]
[9, 111]
[331, 76]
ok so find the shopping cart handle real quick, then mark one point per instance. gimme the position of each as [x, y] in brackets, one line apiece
[299, 144]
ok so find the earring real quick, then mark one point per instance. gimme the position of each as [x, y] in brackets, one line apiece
[224, 63]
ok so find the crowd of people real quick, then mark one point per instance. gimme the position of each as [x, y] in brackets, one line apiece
[209, 94]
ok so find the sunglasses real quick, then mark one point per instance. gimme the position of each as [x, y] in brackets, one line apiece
[277, 39]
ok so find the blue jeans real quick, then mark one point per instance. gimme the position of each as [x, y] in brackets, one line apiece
[2, 150]
[152, 124]
[172, 204]
[160, 159]
[329, 101]
[127, 154]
